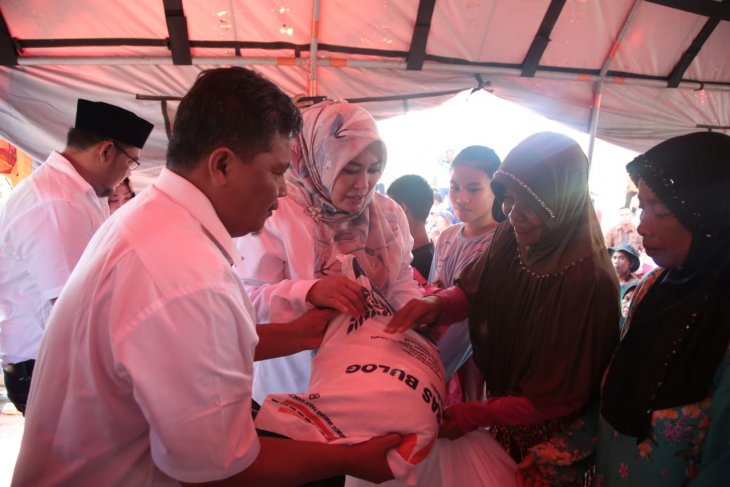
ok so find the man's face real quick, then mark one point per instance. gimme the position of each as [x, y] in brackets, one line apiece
[255, 187]
[621, 263]
[117, 166]
[624, 216]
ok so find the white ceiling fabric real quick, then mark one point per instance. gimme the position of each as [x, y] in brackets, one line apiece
[40, 89]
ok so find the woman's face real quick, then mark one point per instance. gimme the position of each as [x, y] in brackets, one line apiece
[357, 179]
[665, 239]
[471, 195]
[529, 228]
[119, 196]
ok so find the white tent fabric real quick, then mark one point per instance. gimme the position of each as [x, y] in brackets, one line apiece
[559, 57]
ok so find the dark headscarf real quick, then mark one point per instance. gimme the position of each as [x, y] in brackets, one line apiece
[679, 331]
[543, 324]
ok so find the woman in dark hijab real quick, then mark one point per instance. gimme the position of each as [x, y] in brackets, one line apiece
[665, 408]
[542, 301]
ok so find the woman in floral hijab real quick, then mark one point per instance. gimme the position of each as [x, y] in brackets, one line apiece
[331, 208]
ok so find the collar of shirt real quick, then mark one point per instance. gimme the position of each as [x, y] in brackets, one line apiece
[185, 194]
[57, 161]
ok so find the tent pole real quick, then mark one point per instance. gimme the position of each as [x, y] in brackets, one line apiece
[235, 26]
[313, 46]
[594, 121]
[595, 112]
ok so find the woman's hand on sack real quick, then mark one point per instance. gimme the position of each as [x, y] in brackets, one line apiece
[416, 312]
[450, 427]
[528, 475]
[338, 292]
[370, 462]
[312, 325]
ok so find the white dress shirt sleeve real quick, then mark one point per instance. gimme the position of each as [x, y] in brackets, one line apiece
[278, 264]
[195, 396]
[50, 240]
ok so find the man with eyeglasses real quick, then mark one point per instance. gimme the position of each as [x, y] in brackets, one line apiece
[46, 223]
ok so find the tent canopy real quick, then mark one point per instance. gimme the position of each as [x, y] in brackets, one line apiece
[632, 72]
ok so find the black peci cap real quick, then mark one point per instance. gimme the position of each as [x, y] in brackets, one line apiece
[111, 121]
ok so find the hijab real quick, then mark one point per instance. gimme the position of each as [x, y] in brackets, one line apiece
[679, 331]
[543, 322]
[333, 134]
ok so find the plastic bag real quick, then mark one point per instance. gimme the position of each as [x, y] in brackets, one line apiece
[474, 460]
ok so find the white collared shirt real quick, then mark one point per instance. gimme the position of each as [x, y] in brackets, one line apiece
[144, 375]
[45, 225]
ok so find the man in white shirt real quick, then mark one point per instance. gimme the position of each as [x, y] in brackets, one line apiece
[46, 223]
[144, 375]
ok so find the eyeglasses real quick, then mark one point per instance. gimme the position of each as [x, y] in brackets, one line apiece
[133, 161]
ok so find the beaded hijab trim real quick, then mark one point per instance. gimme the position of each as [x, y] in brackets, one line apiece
[692, 217]
[524, 186]
[540, 275]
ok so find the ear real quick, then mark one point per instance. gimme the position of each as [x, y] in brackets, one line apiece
[406, 210]
[106, 151]
[219, 166]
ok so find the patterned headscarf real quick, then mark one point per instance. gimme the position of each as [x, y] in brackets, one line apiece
[333, 134]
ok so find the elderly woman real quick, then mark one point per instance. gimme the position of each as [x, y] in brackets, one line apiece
[542, 300]
[665, 408]
[331, 208]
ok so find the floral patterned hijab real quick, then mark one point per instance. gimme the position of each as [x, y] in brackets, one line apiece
[333, 134]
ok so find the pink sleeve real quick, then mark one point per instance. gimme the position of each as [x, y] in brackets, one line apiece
[507, 410]
[454, 306]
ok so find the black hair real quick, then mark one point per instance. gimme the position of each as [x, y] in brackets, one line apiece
[233, 107]
[413, 191]
[479, 157]
[81, 140]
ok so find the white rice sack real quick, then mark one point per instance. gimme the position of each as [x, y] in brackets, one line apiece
[366, 383]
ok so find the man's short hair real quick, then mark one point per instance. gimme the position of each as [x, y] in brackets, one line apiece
[232, 107]
[82, 140]
[479, 157]
[413, 191]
